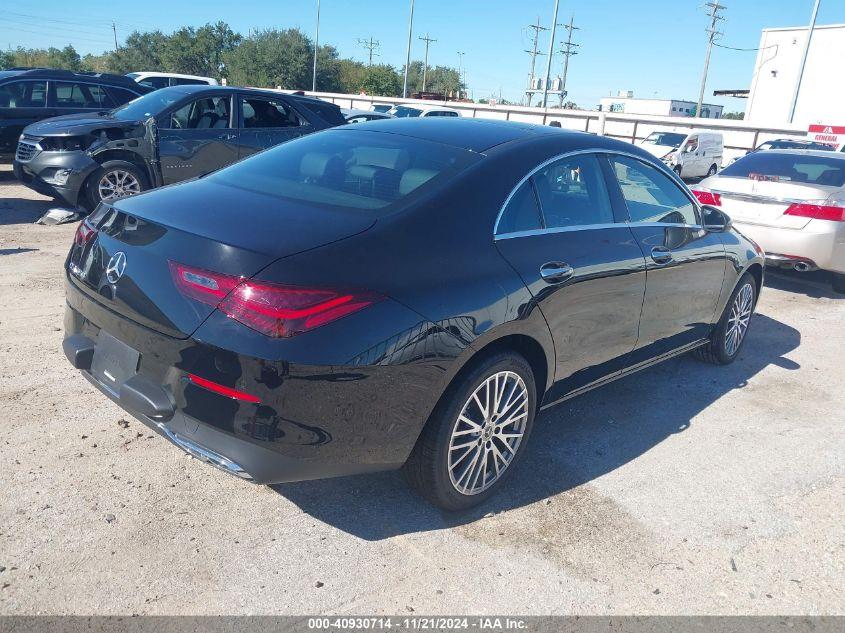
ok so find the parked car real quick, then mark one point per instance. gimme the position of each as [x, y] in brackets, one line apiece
[792, 202]
[401, 111]
[689, 155]
[30, 95]
[353, 115]
[382, 107]
[788, 143]
[167, 136]
[399, 294]
[156, 80]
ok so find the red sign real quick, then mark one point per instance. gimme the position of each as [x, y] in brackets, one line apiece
[833, 135]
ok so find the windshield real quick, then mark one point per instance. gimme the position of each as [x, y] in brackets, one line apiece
[151, 104]
[792, 168]
[405, 111]
[670, 139]
[368, 171]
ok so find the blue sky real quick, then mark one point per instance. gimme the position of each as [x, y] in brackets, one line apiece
[653, 47]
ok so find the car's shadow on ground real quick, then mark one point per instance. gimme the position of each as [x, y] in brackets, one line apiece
[22, 211]
[571, 444]
[815, 285]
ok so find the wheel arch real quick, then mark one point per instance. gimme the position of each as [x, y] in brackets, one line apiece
[130, 157]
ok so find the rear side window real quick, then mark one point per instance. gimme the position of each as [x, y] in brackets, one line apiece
[329, 112]
[182, 81]
[259, 112]
[81, 95]
[794, 168]
[650, 195]
[23, 94]
[120, 95]
[356, 170]
[572, 192]
[521, 212]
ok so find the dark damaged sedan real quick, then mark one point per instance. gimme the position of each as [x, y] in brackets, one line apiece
[399, 294]
[167, 136]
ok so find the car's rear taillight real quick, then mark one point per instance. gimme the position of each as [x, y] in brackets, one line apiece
[272, 309]
[708, 197]
[84, 233]
[817, 211]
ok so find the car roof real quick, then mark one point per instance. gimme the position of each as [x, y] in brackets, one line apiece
[155, 73]
[50, 73]
[819, 153]
[475, 135]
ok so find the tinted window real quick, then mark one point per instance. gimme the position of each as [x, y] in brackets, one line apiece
[521, 213]
[268, 113]
[329, 112]
[155, 82]
[797, 168]
[348, 169]
[405, 111]
[572, 192]
[202, 114]
[81, 95]
[651, 195]
[181, 81]
[120, 95]
[23, 94]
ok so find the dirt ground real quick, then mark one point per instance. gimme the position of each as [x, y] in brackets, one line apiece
[683, 489]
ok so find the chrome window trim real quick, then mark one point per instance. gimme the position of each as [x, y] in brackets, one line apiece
[594, 227]
[577, 152]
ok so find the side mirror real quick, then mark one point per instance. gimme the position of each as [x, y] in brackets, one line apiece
[715, 220]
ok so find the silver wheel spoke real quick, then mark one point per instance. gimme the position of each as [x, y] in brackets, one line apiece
[739, 318]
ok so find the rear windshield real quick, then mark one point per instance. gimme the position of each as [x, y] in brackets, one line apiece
[405, 111]
[356, 170]
[795, 168]
[329, 112]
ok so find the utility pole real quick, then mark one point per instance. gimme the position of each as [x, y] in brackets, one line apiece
[461, 78]
[534, 52]
[803, 61]
[370, 45]
[427, 41]
[114, 30]
[712, 34]
[316, 46]
[408, 56]
[568, 51]
[549, 60]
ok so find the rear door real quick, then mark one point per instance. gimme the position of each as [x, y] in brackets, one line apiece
[21, 103]
[267, 121]
[197, 137]
[685, 263]
[559, 232]
[73, 97]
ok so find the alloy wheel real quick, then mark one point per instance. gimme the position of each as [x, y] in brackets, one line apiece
[117, 183]
[738, 318]
[488, 432]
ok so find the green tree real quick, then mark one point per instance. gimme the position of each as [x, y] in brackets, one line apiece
[736, 116]
[350, 75]
[443, 79]
[7, 59]
[199, 51]
[381, 80]
[140, 52]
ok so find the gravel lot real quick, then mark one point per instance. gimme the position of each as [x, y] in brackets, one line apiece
[683, 489]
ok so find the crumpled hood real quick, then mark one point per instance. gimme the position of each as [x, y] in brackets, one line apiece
[76, 125]
[657, 150]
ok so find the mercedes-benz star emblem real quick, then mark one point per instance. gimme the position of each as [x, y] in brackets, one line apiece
[117, 264]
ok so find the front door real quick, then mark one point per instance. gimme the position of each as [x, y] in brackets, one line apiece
[21, 103]
[198, 138]
[267, 122]
[685, 263]
[581, 264]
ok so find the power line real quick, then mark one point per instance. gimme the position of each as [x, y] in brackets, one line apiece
[712, 34]
[534, 52]
[734, 48]
[568, 51]
[370, 45]
[427, 41]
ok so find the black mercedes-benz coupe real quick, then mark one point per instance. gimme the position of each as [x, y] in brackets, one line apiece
[401, 293]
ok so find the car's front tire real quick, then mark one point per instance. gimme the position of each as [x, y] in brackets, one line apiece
[712, 171]
[114, 179]
[730, 333]
[837, 281]
[476, 434]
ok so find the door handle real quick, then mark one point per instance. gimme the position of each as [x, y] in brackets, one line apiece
[230, 137]
[555, 272]
[661, 255]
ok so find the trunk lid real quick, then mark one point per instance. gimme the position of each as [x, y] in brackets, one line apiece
[752, 201]
[125, 264]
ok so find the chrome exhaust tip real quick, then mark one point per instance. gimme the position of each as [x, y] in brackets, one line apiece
[802, 267]
[205, 454]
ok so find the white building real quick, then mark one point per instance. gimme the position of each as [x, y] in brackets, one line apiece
[822, 93]
[625, 102]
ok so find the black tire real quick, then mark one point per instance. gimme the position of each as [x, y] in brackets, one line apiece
[716, 350]
[713, 169]
[90, 197]
[837, 281]
[427, 468]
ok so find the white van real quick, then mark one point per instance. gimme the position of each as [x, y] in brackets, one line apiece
[158, 80]
[693, 155]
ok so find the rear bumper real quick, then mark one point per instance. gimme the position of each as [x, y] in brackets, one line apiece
[39, 174]
[820, 242]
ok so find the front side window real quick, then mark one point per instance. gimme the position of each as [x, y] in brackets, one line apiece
[208, 113]
[650, 195]
[572, 192]
[268, 113]
[521, 212]
[79, 95]
[23, 94]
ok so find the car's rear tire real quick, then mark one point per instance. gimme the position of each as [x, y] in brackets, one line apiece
[118, 176]
[465, 453]
[837, 281]
[712, 171]
[730, 333]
